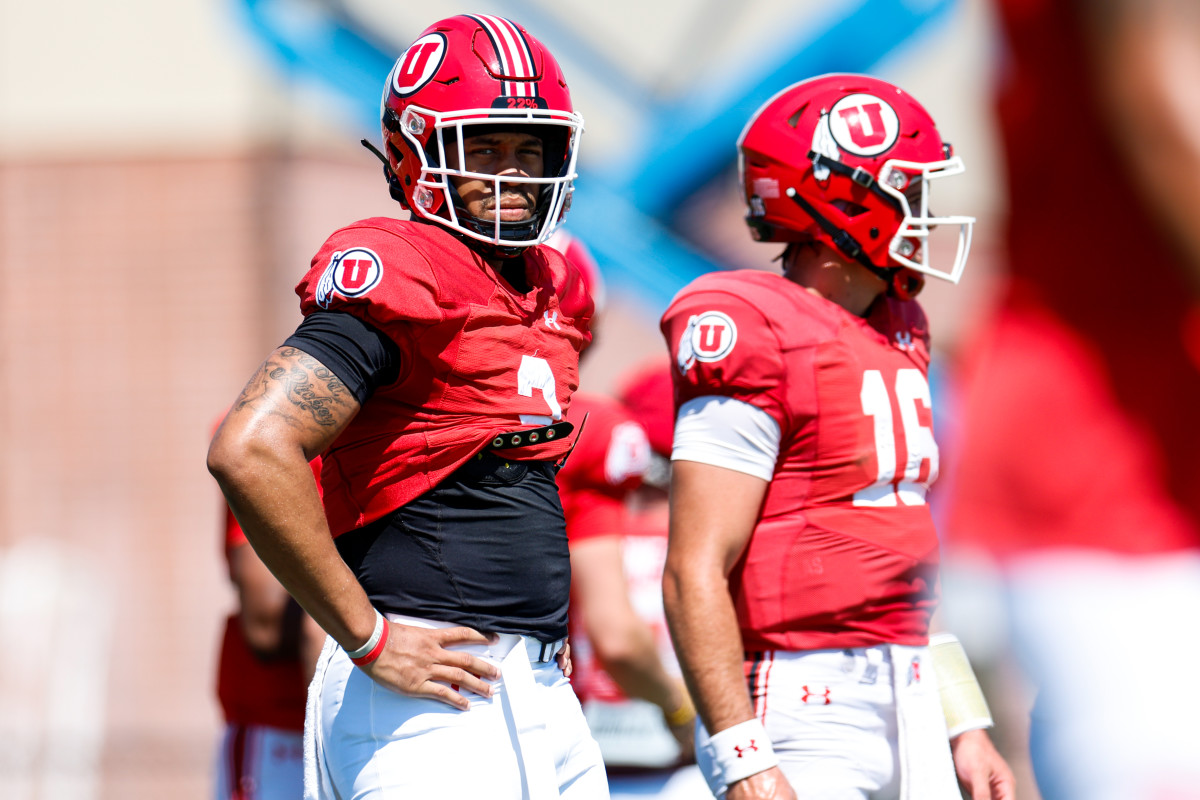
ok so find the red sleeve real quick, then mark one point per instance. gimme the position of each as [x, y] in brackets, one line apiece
[721, 344]
[370, 270]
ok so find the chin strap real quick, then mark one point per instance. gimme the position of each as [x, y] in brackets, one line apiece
[394, 187]
[903, 284]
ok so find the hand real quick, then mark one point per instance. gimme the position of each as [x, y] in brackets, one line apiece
[770, 784]
[685, 736]
[981, 770]
[415, 662]
[680, 719]
[563, 657]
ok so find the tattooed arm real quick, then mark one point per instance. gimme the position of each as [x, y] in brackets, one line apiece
[291, 410]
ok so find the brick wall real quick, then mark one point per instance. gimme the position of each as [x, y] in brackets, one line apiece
[138, 296]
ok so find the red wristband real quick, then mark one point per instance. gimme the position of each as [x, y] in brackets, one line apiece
[375, 651]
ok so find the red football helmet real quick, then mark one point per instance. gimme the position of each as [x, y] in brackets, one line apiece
[461, 74]
[847, 160]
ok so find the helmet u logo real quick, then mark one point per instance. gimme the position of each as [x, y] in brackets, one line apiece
[419, 64]
[873, 132]
[415, 61]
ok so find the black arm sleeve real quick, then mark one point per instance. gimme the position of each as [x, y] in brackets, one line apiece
[356, 351]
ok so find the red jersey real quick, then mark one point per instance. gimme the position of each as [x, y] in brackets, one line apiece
[844, 553]
[478, 358]
[1100, 302]
[605, 466]
[601, 471]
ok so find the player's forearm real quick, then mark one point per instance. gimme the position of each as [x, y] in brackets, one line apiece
[266, 612]
[708, 642]
[274, 497]
[623, 642]
[633, 663]
[713, 514]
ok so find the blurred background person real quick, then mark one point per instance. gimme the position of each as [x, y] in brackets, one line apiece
[1090, 362]
[267, 654]
[625, 672]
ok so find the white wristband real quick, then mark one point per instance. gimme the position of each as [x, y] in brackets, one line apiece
[741, 751]
[374, 640]
[962, 699]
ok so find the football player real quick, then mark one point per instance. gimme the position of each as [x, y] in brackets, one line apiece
[432, 371]
[802, 570]
[624, 668]
[1089, 358]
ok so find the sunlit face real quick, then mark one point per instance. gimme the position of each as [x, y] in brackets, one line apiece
[499, 153]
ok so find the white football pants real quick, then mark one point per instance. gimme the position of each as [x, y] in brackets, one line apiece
[529, 741]
[861, 724]
[1110, 643]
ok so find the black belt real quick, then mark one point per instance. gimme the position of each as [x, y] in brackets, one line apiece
[546, 433]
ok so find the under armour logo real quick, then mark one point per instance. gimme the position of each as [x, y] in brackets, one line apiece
[914, 671]
[904, 340]
[741, 751]
[818, 697]
[551, 320]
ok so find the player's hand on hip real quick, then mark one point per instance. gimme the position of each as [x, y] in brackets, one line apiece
[563, 658]
[981, 770]
[417, 663]
[770, 784]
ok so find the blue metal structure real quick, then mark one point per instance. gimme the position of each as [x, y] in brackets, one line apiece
[623, 212]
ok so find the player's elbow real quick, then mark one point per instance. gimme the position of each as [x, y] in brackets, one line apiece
[272, 634]
[685, 581]
[235, 455]
[672, 589]
[621, 643]
[227, 452]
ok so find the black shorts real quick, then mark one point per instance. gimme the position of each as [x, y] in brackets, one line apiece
[486, 547]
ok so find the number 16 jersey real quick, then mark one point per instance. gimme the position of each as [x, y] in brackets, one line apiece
[844, 553]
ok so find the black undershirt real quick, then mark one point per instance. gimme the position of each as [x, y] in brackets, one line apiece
[356, 351]
[486, 547]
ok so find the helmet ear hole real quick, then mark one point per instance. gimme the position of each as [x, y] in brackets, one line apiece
[848, 208]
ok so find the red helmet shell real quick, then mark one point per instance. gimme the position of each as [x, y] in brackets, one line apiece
[859, 152]
[474, 69]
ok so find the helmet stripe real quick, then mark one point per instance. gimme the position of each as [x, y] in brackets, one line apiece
[501, 53]
[516, 58]
[523, 54]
